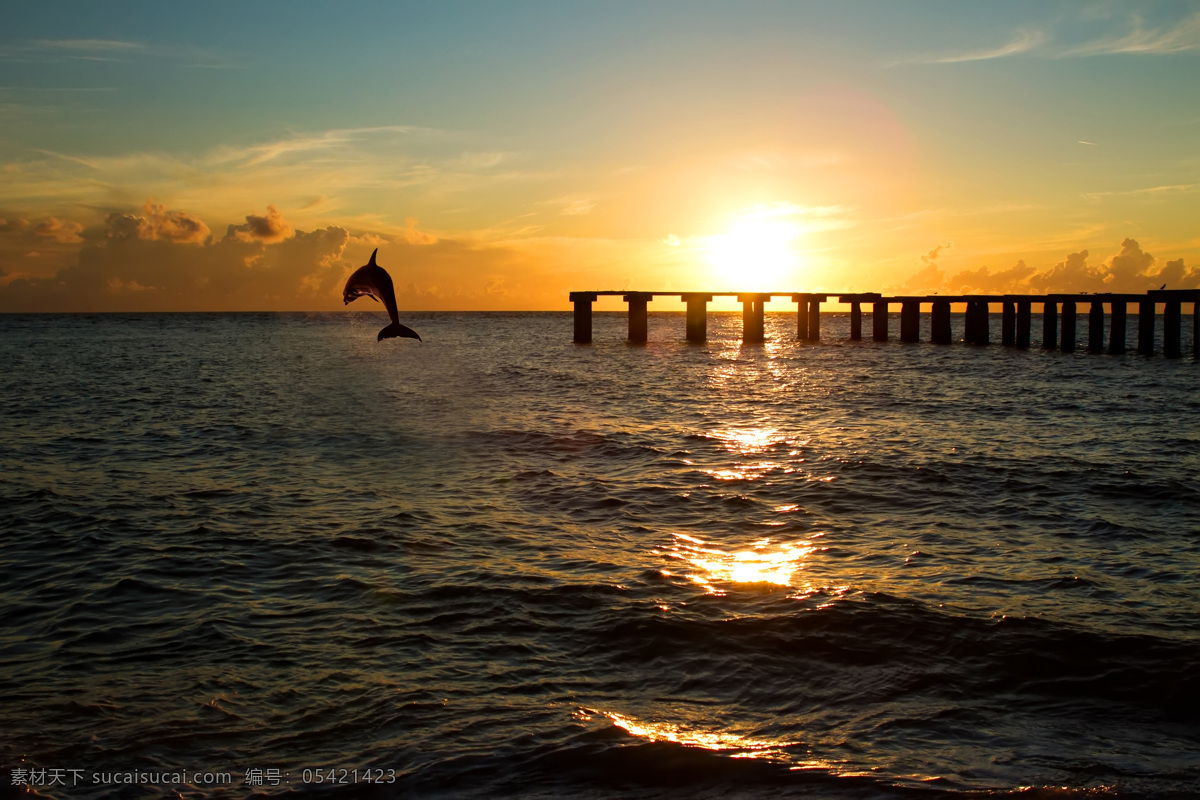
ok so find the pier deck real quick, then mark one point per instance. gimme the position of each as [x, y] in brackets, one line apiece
[1059, 316]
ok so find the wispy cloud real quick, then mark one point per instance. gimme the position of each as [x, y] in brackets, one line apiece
[58, 88]
[1174, 188]
[43, 50]
[347, 169]
[1023, 42]
[571, 205]
[787, 209]
[324, 140]
[1177, 37]
[89, 46]
[72, 159]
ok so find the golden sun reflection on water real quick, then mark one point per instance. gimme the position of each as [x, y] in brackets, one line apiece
[709, 740]
[730, 744]
[763, 562]
[748, 440]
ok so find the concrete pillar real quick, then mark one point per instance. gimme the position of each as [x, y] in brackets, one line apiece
[697, 317]
[982, 327]
[855, 322]
[940, 319]
[1116, 331]
[1196, 329]
[1171, 325]
[801, 301]
[637, 316]
[1146, 327]
[1024, 322]
[814, 319]
[1049, 324]
[910, 321]
[1008, 323]
[1067, 343]
[752, 318]
[1096, 327]
[879, 312]
[583, 316]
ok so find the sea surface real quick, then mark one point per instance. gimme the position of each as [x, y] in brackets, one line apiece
[267, 554]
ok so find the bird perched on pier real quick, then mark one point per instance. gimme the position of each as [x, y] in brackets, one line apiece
[373, 281]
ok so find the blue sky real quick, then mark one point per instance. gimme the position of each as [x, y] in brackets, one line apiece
[502, 154]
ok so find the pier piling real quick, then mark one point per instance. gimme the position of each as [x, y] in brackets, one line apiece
[1116, 330]
[855, 321]
[801, 301]
[1008, 323]
[983, 334]
[1067, 343]
[814, 317]
[1024, 322]
[697, 316]
[752, 317]
[1146, 327]
[583, 316]
[1171, 328]
[1049, 324]
[1096, 327]
[975, 323]
[879, 321]
[637, 316]
[910, 320]
[940, 322]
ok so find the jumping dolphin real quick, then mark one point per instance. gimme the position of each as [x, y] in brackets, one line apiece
[373, 281]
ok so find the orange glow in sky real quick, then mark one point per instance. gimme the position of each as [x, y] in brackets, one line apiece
[503, 158]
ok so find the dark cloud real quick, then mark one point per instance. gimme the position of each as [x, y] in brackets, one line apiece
[129, 272]
[1176, 276]
[267, 229]
[14, 225]
[922, 280]
[1070, 275]
[932, 274]
[932, 255]
[57, 230]
[1131, 260]
[414, 236]
[51, 229]
[123, 226]
[983, 280]
[1131, 270]
[156, 223]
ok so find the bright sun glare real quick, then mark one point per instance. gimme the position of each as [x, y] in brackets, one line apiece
[756, 253]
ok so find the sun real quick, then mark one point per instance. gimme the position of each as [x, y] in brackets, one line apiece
[756, 253]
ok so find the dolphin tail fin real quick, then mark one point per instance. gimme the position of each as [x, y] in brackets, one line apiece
[396, 329]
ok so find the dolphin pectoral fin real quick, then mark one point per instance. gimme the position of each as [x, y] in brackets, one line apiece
[396, 329]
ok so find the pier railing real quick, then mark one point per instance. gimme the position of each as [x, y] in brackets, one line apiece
[1059, 317]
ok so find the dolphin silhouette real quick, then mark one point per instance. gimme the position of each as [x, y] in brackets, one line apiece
[373, 281]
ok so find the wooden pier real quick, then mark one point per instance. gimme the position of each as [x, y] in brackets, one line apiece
[1060, 314]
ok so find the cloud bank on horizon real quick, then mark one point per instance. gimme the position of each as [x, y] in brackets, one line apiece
[504, 158]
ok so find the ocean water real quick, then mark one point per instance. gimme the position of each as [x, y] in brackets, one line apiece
[266, 554]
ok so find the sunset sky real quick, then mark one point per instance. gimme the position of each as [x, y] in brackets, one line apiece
[248, 156]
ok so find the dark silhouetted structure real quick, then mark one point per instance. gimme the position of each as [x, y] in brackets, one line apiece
[1058, 329]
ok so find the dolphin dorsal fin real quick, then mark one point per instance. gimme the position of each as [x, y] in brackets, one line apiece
[372, 263]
